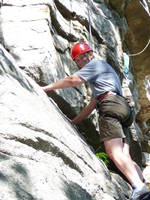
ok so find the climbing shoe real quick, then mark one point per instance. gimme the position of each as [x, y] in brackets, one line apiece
[137, 193]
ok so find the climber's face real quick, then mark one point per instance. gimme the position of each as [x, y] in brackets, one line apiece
[82, 60]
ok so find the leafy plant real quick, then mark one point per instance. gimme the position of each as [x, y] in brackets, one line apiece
[103, 156]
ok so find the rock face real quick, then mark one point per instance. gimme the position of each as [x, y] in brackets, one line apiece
[39, 36]
[137, 41]
[39, 160]
[42, 156]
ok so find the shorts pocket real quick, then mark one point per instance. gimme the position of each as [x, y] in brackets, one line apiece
[130, 119]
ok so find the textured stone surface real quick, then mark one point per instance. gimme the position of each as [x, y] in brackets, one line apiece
[39, 34]
[42, 155]
[136, 39]
[134, 43]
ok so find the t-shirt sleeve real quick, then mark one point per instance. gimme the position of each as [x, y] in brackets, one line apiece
[88, 72]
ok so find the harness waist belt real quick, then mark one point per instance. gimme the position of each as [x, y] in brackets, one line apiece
[106, 94]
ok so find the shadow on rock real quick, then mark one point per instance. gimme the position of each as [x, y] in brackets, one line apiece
[74, 191]
[86, 127]
[16, 179]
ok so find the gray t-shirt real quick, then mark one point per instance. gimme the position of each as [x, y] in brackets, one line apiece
[101, 77]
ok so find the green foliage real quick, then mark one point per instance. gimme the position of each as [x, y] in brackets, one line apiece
[103, 156]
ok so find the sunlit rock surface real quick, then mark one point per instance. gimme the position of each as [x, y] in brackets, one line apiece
[42, 155]
[39, 35]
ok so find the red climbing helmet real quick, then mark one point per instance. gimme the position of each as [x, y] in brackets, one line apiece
[80, 48]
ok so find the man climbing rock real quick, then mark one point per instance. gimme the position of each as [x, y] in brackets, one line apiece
[115, 115]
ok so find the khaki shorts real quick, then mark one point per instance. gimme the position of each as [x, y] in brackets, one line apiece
[115, 117]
